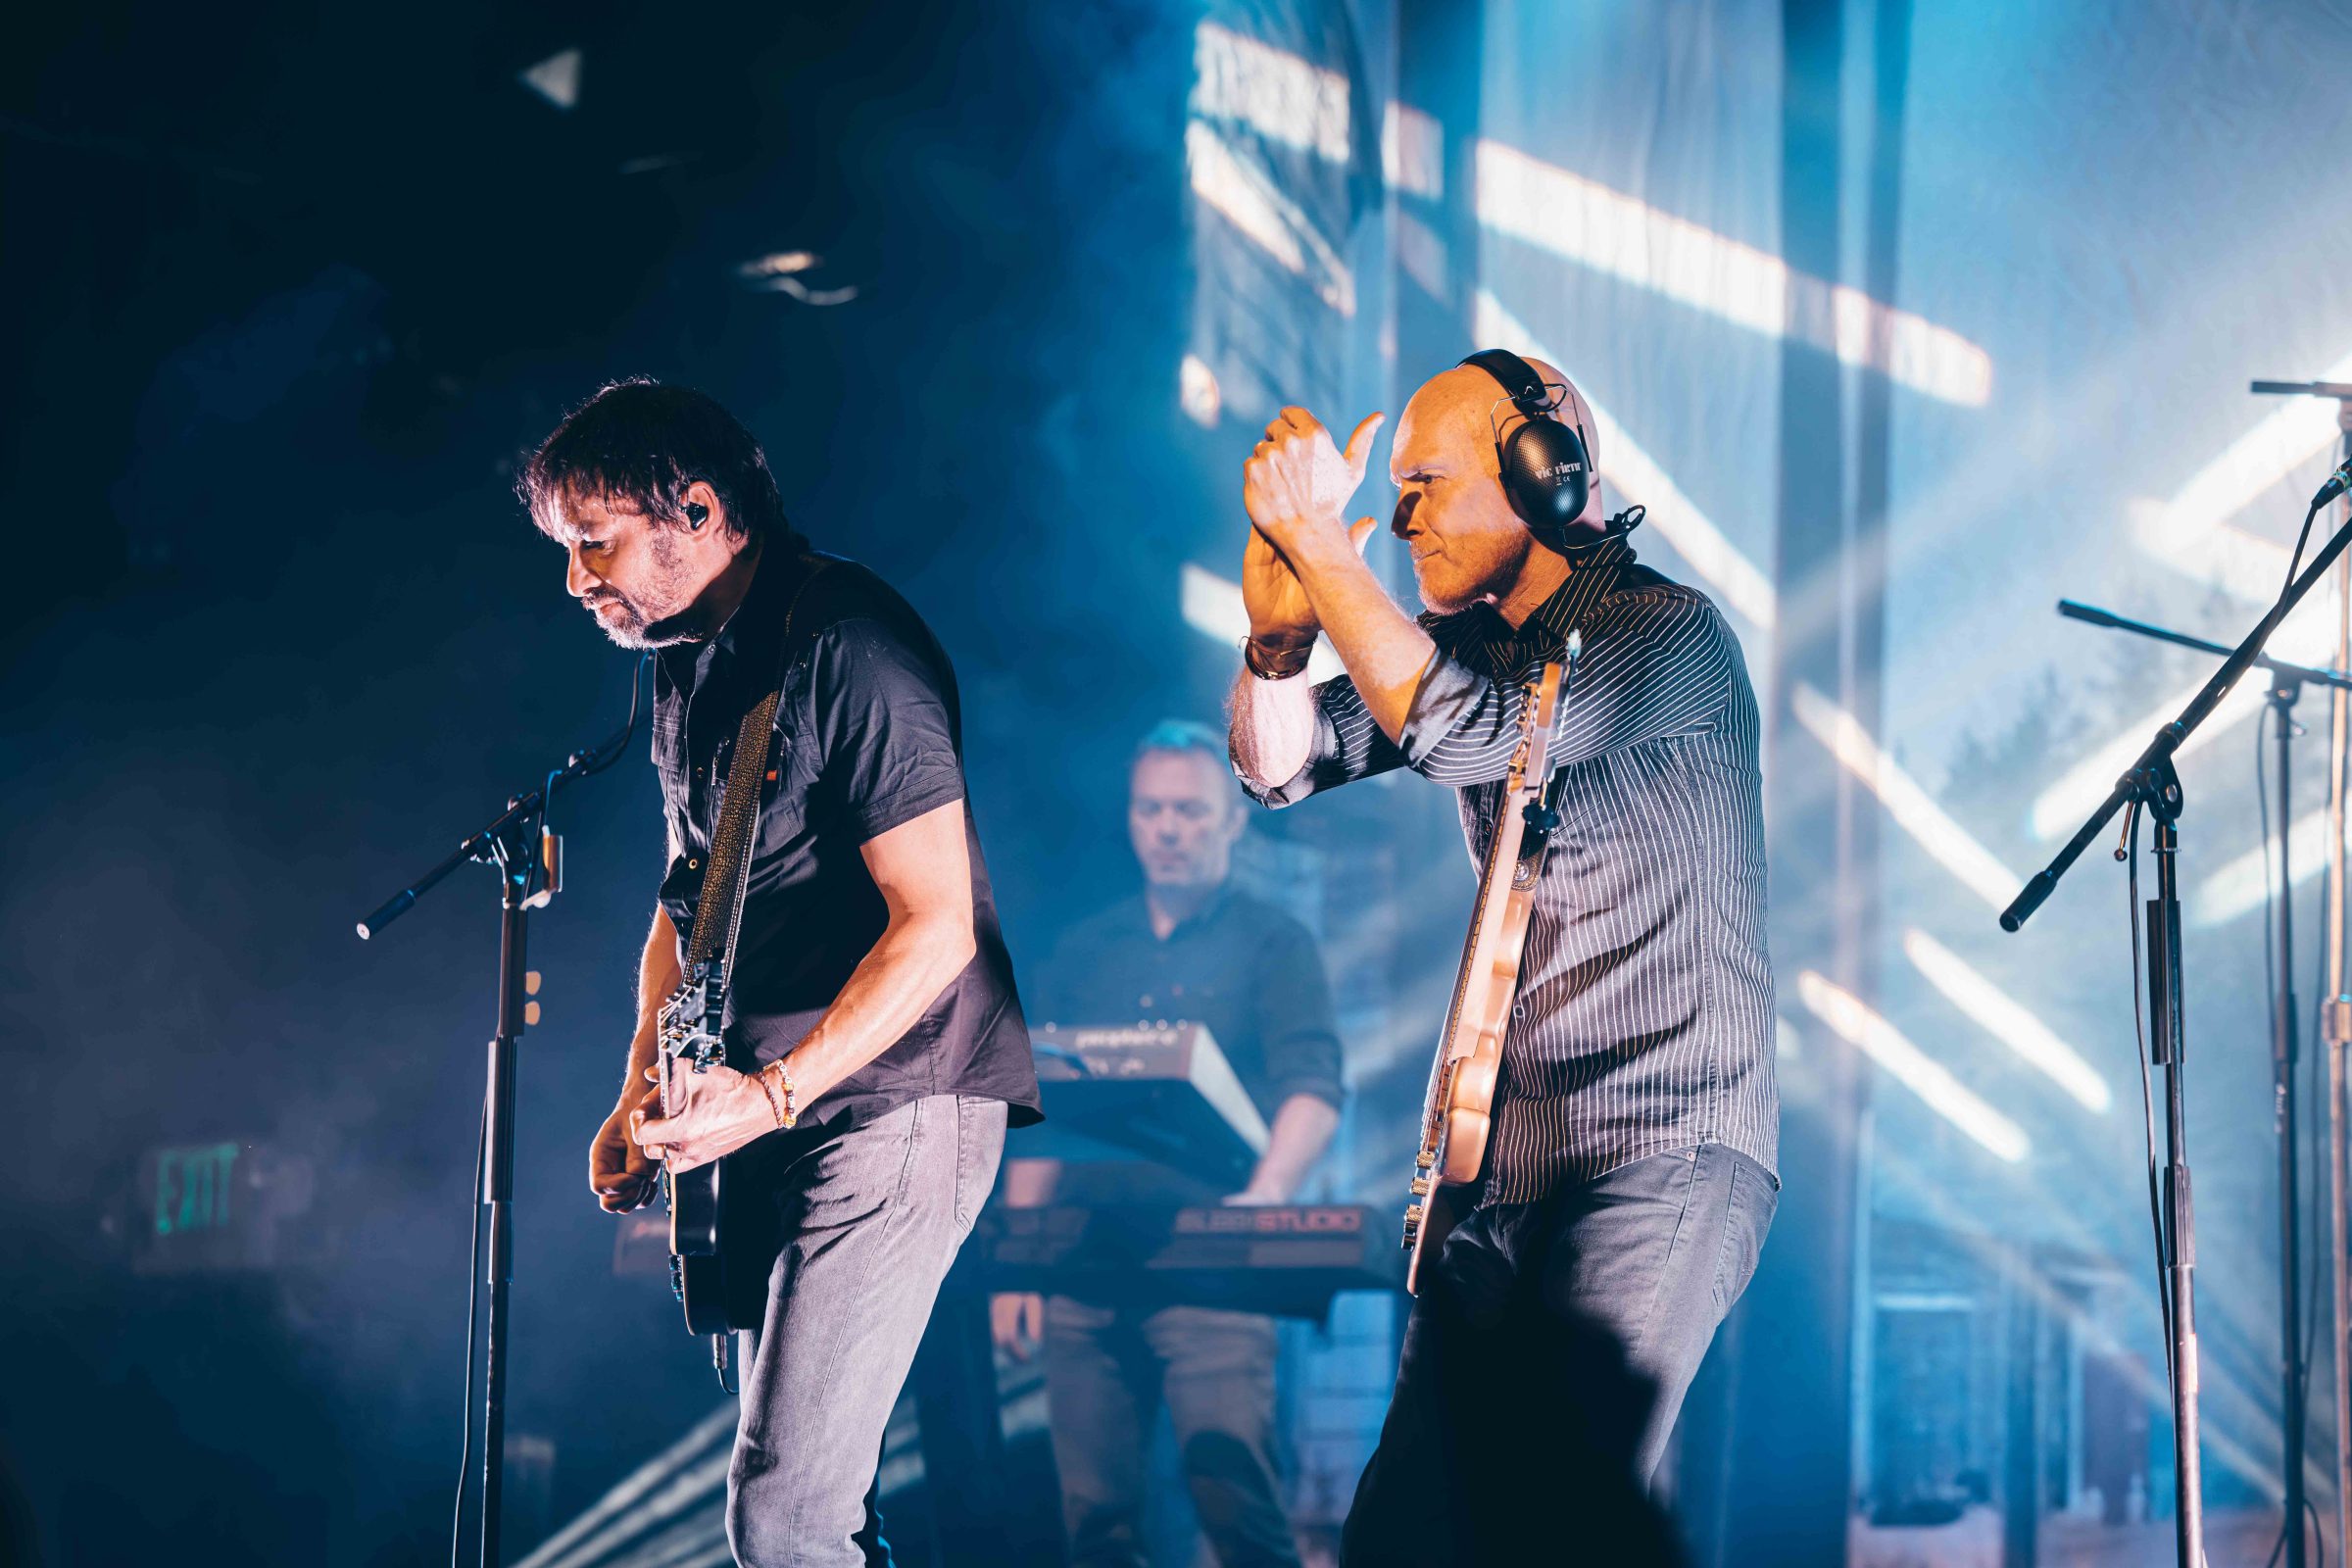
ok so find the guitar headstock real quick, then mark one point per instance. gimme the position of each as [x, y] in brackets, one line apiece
[1537, 716]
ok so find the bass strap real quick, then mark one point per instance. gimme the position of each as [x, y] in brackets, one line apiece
[712, 940]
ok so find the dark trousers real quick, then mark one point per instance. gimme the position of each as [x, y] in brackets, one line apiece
[1545, 1362]
[1107, 1372]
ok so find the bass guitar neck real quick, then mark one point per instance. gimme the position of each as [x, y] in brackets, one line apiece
[1458, 1109]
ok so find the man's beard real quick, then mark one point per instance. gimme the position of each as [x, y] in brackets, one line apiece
[1495, 581]
[635, 630]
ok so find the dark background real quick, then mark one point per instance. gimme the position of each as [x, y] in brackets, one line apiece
[290, 291]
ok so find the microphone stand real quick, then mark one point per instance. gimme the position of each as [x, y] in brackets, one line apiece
[2151, 784]
[2335, 1028]
[2286, 684]
[530, 862]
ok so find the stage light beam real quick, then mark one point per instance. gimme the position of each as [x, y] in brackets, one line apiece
[2008, 1021]
[1281, 96]
[2246, 882]
[1412, 152]
[1743, 587]
[1951, 845]
[1585, 222]
[1932, 1082]
[1243, 195]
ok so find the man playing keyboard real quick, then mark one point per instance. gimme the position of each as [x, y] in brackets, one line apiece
[1188, 946]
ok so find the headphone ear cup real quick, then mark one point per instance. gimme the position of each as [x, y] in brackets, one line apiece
[1546, 476]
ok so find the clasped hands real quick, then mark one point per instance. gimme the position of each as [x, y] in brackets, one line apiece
[1295, 487]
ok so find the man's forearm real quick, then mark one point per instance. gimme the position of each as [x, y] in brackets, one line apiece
[1384, 651]
[1302, 1131]
[658, 976]
[892, 986]
[1273, 728]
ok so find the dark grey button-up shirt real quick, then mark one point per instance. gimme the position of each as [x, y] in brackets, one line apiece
[1645, 1019]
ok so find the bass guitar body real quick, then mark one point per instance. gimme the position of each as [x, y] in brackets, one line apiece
[1457, 1115]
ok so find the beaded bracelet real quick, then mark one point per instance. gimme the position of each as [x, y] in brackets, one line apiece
[776, 1079]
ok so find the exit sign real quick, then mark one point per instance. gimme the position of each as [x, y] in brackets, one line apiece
[193, 1187]
[216, 1206]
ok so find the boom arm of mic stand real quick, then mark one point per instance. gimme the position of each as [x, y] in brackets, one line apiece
[2092, 615]
[522, 809]
[2150, 764]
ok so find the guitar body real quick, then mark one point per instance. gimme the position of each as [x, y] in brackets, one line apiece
[720, 1254]
[1458, 1116]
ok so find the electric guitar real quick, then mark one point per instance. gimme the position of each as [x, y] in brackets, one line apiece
[1457, 1113]
[706, 1250]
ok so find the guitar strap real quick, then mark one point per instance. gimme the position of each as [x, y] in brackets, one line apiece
[715, 928]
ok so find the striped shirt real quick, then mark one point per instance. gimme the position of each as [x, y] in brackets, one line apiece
[1644, 1016]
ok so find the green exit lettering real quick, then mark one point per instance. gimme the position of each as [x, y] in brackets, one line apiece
[191, 1188]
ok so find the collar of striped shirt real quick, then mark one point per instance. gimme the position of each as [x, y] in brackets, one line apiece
[1482, 638]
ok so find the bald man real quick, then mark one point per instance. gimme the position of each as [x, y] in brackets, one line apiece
[1630, 1175]
[875, 1047]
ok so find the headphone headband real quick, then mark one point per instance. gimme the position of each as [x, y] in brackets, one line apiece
[1517, 377]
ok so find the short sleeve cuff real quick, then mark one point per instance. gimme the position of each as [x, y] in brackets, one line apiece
[1330, 1091]
[1449, 690]
[927, 791]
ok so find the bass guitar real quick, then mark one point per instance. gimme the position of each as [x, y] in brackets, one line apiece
[1457, 1113]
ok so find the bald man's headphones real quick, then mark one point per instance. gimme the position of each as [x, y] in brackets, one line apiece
[1545, 464]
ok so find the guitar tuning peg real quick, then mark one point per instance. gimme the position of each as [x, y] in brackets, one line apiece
[1420, 1187]
[1425, 1159]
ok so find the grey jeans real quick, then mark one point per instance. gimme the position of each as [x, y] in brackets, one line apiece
[870, 1219]
[1107, 1372]
[1544, 1364]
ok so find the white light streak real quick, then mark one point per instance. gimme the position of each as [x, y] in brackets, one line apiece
[1277, 95]
[2007, 1020]
[2059, 810]
[1412, 152]
[2246, 882]
[1976, 867]
[1422, 254]
[2190, 532]
[1589, 222]
[1743, 587]
[556, 78]
[1198, 391]
[2284, 440]
[1213, 608]
[1858, 1026]
[658, 1488]
[1248, 199]
[2301, 640]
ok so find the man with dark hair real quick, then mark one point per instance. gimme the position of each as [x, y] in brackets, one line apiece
[875, 1045]
[1629, 1179]
[1190, 946]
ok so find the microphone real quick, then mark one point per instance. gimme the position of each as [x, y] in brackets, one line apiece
[2337, 483]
